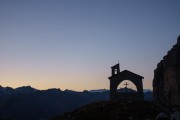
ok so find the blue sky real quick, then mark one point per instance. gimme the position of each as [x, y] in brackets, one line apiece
[71, 44]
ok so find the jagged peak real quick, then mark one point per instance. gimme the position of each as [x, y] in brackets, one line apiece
[25, 86]
[178, 39]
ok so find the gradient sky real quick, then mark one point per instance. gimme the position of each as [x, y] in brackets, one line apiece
[71, 44]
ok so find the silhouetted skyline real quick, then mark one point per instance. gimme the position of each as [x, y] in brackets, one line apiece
[72, 44]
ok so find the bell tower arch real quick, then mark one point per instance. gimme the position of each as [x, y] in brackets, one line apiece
[115, 69]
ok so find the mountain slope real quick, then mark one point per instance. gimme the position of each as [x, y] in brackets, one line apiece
[113, 110]
[26, 103]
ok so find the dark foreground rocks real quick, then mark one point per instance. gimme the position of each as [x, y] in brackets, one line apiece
[114, 110]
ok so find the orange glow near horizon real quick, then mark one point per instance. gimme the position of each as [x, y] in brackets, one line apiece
[76, 80]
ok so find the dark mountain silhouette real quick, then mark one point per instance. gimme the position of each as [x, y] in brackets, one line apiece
[27, 103]
[25, 90]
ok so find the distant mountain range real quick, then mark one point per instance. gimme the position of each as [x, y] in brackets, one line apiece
[19, 90]
[121, 90]
[27, 103]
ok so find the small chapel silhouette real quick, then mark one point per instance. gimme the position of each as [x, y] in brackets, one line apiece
[117, 77]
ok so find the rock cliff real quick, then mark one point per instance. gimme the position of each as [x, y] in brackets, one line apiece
[166, 82]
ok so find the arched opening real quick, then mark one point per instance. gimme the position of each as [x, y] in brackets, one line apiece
[127, 86]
